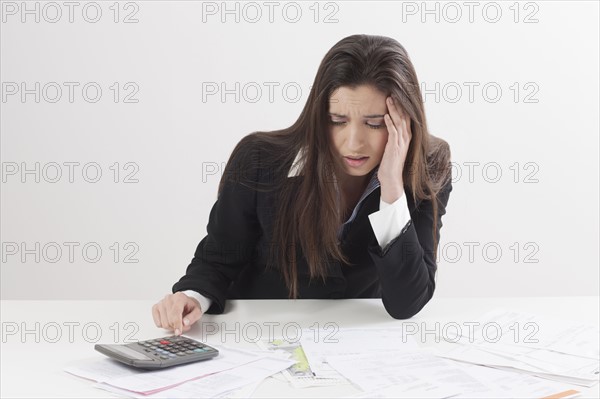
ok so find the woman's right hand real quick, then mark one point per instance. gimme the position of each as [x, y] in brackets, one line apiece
[176, 312]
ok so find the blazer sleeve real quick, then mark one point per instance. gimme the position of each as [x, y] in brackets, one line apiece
[233, 231]
[407, 265]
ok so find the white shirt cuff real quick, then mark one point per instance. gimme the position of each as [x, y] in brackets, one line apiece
[388, 222]
[204, 301]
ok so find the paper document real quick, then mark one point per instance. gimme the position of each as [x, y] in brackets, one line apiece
[300, 375]
[520, 342]
[217, 384]
[317, 345]
[419, 371]
[528, 330]
[509, 384]
[113, 373]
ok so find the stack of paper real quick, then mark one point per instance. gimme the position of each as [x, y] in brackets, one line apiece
[503, 354]
[231, 370]
[422, 374]
[300, 374]
[319, 344]
[404, 374]
[388, 363]
[310, 353]
[523, 343]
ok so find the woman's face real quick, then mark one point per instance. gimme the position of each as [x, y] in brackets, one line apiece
[357, 127]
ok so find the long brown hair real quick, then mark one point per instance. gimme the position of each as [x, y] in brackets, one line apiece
[308, 214]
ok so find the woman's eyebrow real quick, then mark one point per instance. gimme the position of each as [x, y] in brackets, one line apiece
[365, 116]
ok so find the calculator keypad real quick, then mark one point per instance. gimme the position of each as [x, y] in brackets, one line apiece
[173, 347]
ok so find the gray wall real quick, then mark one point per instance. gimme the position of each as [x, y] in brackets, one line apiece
[522, 218]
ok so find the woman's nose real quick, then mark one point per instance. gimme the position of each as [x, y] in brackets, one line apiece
[355, 137]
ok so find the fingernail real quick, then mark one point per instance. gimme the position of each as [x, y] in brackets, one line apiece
[186, 322]
[177, 331]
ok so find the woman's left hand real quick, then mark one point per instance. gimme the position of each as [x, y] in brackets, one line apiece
[394, 154]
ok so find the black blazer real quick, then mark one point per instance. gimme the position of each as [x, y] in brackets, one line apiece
[229, 263]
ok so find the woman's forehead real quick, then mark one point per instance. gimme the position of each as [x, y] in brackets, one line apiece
[363, 98]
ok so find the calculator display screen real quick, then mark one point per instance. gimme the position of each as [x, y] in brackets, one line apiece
[130, 353]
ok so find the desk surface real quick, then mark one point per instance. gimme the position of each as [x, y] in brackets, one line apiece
[52, 334]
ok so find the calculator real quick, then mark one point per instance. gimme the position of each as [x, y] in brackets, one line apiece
[159, 353]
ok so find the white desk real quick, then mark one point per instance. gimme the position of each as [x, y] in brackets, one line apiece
[32, 369]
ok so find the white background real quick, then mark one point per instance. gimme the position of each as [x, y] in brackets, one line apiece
[543, 219]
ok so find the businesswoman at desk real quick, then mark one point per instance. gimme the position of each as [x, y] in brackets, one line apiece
[345, 203]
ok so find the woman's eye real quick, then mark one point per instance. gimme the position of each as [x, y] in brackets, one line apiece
[337, 123]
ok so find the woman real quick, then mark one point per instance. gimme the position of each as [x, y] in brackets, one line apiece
[345, 203]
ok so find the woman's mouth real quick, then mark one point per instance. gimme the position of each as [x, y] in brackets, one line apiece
[356, 161]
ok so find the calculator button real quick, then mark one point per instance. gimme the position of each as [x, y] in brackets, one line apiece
[198, 350]
[164, 357]
[164, 342]
[180, 353]
[190, 352]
